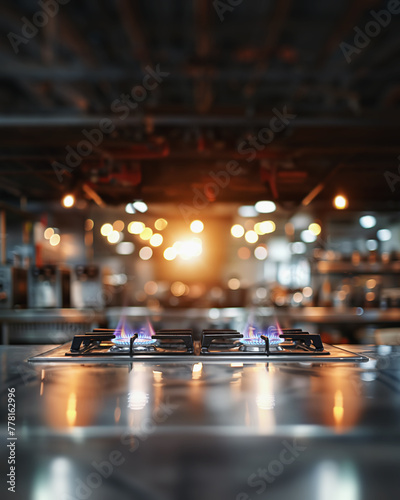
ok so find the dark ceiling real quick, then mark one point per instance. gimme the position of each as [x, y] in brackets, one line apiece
[217, 73]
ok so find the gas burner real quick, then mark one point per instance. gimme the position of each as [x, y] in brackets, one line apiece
[125, 342]
[139, 344]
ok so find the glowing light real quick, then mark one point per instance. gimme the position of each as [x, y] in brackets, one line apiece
[114, 237]
[170, 253]
[118, 225]
[146, 234]
[55, 240]
[157, 376]
[237, 231]
[265, 227]
[190, 249]
[251, 237]
[196, 370]
[137, 400]
[196, 226]
[89, 224]
[68, 201]
[106, 229]
[244, 253]
[129, 209]
[247, 211]
[160, 224]
[370, 296]
[140, 206]
[234, 284]
[178, 289]
[307, 292]
[338, 409]
[71, 409]
[145, 253]
[261, 253]
[135, 227]
[308, 236]
[265, 207]
[315, 228]
[125, 248]
[48, 233]
[214, 313]
[261, 293]
[367, 221]
[298, 247]
[371, 283]
[156, 240]
[151, 288]
[384, 234]
[340, 202]
[371, 245]
[297, 297]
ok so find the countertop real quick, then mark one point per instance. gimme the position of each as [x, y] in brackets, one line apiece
[184, 430]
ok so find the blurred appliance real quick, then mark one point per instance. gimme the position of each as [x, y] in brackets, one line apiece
[48, 286]
[13, 287]
[87, 287]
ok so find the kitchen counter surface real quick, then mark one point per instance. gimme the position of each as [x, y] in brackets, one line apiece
[190, 430]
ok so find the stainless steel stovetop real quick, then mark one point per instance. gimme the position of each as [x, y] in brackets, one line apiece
[103, 346]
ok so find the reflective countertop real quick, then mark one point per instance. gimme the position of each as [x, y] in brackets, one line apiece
[213, 430]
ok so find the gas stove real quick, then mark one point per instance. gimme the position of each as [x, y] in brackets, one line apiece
[104, 345]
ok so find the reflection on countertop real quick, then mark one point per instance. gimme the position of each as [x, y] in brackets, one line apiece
[167, 420]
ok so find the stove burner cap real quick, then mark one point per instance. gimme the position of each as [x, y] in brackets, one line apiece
[125, 342]
[253, 342]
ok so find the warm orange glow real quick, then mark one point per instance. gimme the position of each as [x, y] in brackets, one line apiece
[237, 231]
[146, 234]
[118, 225]
[156, 240]
[315, 228]
[234, 284]
[244, 253]
[68, 201]
[338, 409]
[178, 289]
[370, 296]
[89, 224]
[135, 227]
[151, 288]
[289, 229]
[48, 233]
[196, 226]
[191, 248]
[157, 376]
[160, 224]
[340, 202]
[71, 409]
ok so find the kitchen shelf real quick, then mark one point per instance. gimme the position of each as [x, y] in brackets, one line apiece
[46, 325]
[333, 267]
[321, 315]
[337, 316]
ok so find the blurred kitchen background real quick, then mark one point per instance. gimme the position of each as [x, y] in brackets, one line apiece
[157, 161]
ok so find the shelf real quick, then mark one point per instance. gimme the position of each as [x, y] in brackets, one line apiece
[333, 267]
